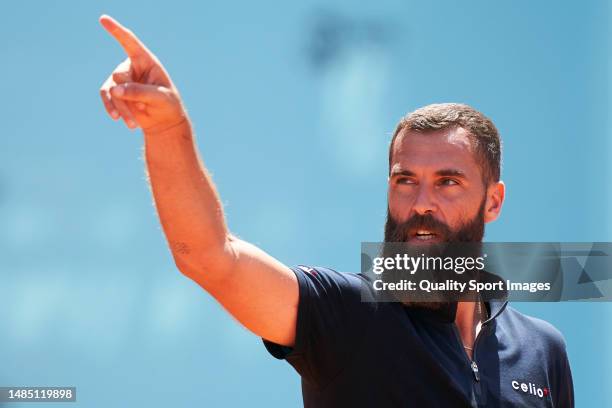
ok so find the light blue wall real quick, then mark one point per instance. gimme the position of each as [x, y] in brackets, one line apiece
[293, 104]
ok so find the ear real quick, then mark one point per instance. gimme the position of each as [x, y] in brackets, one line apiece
[495, 199]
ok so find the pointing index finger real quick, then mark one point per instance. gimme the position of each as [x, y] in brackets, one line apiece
[130, 43]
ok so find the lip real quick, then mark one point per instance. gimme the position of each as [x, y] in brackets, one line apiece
[431, 239]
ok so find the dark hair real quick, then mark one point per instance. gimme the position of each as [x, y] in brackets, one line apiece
[482, 131]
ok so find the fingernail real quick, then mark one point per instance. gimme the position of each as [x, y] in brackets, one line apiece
[131, 123]
[115, 114]
[118, 90]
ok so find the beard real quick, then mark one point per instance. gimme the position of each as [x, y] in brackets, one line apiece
[470, 231]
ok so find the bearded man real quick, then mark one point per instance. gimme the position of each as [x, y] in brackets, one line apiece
[444, 186]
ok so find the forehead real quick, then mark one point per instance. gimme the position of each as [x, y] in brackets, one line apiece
[435, 149]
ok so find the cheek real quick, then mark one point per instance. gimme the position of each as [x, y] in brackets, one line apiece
[452, 206]
[454, 220]
[459, 214]
[400, 204]
[452, 196]
[457, 202]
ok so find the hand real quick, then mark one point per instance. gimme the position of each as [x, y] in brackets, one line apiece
[140, 90]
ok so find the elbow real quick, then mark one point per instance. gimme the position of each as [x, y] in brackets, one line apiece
[204, 265]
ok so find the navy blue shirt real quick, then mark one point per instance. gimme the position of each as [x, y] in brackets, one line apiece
[354, 353]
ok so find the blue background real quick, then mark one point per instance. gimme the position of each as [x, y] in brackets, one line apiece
[294, 104]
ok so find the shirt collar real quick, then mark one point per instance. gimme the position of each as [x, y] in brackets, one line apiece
[447, 313]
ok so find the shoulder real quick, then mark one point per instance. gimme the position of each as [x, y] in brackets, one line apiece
[325, 291]
[327, 274]
[327, 281]
[535, 331]
[542, 345]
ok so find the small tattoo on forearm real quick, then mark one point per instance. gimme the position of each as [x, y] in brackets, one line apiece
[181, 248]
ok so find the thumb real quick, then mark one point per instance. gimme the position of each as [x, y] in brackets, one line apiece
[135, 92]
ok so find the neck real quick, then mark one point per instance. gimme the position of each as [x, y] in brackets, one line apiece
[468, 323]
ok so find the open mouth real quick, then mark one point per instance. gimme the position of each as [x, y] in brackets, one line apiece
[423, 235]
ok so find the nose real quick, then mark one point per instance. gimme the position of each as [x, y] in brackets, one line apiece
[424, 201]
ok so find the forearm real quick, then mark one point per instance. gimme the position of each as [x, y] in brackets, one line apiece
[254, 287]
[187, 202]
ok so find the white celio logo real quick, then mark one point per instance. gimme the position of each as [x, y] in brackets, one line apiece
[530, 388]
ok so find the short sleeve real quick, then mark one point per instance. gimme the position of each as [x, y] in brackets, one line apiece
[561, 383]
[564, 388]
[330, 321]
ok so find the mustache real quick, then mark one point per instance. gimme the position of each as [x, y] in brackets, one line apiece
[470, 231]
[401, 232]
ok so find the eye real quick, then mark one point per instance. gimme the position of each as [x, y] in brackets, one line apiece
[449, 182]
[405, 180]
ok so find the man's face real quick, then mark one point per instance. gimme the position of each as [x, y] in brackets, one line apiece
[436, 190]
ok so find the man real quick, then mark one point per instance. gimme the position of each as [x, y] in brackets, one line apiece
[444, 185]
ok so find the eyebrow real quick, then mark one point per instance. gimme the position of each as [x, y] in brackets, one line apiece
[439, 173]
[450, 173]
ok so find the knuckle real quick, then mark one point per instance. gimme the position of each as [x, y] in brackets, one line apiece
[126, 114]
[128, 89]
[119, 77]
[122, 107]
[105, 97]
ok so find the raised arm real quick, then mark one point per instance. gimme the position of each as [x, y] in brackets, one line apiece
[254, 287]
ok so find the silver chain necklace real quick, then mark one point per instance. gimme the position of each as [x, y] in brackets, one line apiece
[479, 309]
